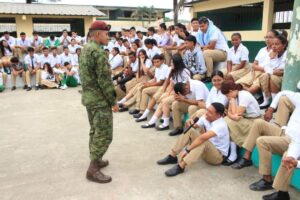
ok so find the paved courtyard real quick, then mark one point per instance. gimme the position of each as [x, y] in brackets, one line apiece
[44, 155]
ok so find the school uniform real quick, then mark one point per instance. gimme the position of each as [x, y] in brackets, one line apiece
[213, 150]
[37, 44]
[152, 52]
[65, 58]
[33, 63]
[116, 63]
[18, 67]
[198, 91]
[11, 41]
[72, 49]
[236, 57]
[22, 43]
[240, 129]
[48, 79]
[42, 59]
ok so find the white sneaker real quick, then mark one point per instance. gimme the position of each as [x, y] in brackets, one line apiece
[63, 87]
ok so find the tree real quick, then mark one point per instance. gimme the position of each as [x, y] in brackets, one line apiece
[177, 6]
[144, 12]
[292, 70]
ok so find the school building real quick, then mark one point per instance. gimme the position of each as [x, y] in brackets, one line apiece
[46, 19]
[252, 18]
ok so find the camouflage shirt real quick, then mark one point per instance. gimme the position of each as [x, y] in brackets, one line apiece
[97, 86]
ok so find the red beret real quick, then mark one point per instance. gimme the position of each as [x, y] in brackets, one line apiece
[99, 25]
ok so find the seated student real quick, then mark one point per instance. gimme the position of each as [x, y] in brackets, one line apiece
[193, 58]
[22, 45]
[149, 88]
[211, 144]
[189, 97]
[51, 42]
[56, 58]
[65, 56]
[263, 128]
[31, 62]
[7, 54]
[78, 39]
[195, 27]
[151, 48]
[45, 57]
[3, 78]
[151, 33]
[143, 75]
[126, 45]
[140, 36]
[11, 41]
[237, 60]
[213, 44]
[116, 61]
[65, 39]
[136, 46]
[71, 78]
[48, 77]
[119, 45]
[288, 139]
[73, 46]
[132, 35]
[120, 80]
[243, 109]
[75, 58]
[37, 42]
[179, 73]
[17, 70]
[163, 37]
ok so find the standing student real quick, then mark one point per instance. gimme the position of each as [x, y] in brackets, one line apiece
[31, 62]
[213, 43]
[48, 77]
[211, 145]
[193, 58]
[243, 109]
[179, 73]
[237, 60]
[189, 97]
[17, 70]
[116, 61]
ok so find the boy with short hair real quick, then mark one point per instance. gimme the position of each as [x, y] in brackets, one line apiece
[71, 76]
[17, 70]
[31, 62]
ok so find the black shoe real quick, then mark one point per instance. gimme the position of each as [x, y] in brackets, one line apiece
[277, 196]
[174, 171]
[138, 115]
[228, 162]
[135, 111]
[241, 163]
[162, 128]
[123, 109]
[29, 88]
[168, 160]
[25, 87]
[147, 125]
[13, 88]
[141, 120]
[37, 87]
[261, 185]
[176, 131]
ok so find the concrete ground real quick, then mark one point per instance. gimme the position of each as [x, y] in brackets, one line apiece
[44, 155]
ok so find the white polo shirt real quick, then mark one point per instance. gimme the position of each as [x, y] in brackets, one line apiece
[135, 66]
[177, 40]
[161, 73]
[65, 42]
[152, 52]
[216, 96]
[24, 43]
[115, 61]
[247, 100]
[65, 58]
[72, 49]
[32, 61]
[275, 63]
[11, 40]
[222, 140]
[183, 77]
[43, 59]
[36, 43]
[262, 55]
[56, 60]
[221, 42]
[75, 60]
[241, 54]
[198, 91]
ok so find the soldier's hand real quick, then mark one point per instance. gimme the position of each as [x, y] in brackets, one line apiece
[115, 108]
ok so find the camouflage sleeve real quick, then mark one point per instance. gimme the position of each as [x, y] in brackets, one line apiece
[104, 81]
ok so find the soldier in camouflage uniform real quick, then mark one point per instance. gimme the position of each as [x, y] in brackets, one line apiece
[99, 97]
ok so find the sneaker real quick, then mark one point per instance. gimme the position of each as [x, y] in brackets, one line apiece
[13, 88]
[29, 88]
[25, 87]
[64, 87]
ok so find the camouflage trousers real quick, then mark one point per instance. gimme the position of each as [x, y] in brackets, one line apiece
[101, 130]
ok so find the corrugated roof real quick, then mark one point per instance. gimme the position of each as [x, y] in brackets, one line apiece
[48, 9]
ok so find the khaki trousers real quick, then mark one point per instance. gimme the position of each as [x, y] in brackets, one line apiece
[130, 84]
[178, 109]
[248, 79]
[237, 74]
[14, 78]
[199, 77]
[120, 93]
[277, 80]
[284, 111]
[37, 77]
[49, 84]
[283, 178]
[207, 151]
[211, 56]
[267, 145]
[145, 94]
[117, 70]
[259, 128]
[4, 77]
[199, 113]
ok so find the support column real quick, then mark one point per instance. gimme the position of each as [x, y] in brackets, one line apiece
[24, 24]
[268, 14]
[292, 69]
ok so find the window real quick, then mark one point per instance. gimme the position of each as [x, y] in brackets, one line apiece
[8, 24]
[283, 14]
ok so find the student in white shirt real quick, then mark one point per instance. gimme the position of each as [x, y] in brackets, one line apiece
[120, 46]
[73, 46]
[31, 62]
[189, 97]
[56, 61]
[179, 73]
[75, 58]
[141, 36]
[285, 139]
[37, 42]
[211, 143]
[65, 56]
[65, 39]
[45, 58]
[116, 61]
[76, 37]
[22, 44]
[48, 77]
[243, 109]
[237, 59]
[213, 43]
[195, 27]
[152, 49]
[7, 53]
[71, 78]
[9, 39]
